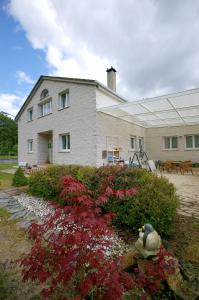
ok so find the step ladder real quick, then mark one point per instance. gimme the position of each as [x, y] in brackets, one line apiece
[140, 160]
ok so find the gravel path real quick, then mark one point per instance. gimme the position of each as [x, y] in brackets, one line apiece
[26, 209]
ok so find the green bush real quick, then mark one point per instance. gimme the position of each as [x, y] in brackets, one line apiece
[155, 203]
[19, 179]
[46, 183]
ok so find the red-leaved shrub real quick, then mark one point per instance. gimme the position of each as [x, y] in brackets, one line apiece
[152, 273]
[70, 248]
[69, 252]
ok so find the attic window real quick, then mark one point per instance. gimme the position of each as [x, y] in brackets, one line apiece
[44, 94]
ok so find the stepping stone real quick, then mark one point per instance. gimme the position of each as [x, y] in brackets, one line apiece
[14, 205]
[19, 214]
[30, 217]
[4, 199]
[5, 202]
[23, 224]
[13, 210]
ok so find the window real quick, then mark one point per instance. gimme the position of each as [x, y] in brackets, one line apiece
[63, 100]
[30, 146]
[192, 141]
[30, 114]
[132, 142]
[170, 142]
[141, 143]
[44, 94]
[45, 108]
[65, 142]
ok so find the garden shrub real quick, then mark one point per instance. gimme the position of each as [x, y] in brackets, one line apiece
[156, 202]
[19, 179]
[45, 183]
[69, 251]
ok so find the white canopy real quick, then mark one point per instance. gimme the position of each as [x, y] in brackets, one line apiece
[171, 110]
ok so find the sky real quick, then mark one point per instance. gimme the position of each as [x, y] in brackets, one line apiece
[153, 44]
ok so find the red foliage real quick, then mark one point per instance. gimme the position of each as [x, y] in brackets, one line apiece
[155, 272]
[69, 248]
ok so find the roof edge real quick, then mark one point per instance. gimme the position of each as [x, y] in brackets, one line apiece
[65, 79]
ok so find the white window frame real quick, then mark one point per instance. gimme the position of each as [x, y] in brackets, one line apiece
[140, 138]
[193, 142]
[28, 116]
[68, 148]
[45, 108]
[170, 142]
[132, 137]
[30, 145]
[61, 106]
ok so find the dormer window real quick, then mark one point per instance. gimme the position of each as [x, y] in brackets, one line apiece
[44, 94]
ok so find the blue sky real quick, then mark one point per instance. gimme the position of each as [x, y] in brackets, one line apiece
[153, 45]
[17, 60]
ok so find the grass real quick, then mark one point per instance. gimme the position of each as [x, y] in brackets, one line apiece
[13, 243]
[6, 166]
[5, 178]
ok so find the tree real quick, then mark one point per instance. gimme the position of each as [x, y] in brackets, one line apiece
[8, 134]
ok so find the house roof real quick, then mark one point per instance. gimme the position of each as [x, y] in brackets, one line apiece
[68, 80]
[175, 109]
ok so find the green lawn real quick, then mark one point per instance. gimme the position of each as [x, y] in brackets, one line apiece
[5, 178]
[13, 243]
[6, 166]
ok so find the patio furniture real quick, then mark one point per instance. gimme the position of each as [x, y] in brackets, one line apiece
[170, 165]
[166, 166]
[186, 166]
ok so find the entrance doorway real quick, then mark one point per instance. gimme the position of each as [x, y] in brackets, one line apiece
[45, 147]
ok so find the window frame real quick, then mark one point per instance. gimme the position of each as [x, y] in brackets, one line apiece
[141, 139]
[30, 142]
[65, 92]
[28, 114]
[44, 94]
[68, 142]
[41, 108]
[170, 137]
[193, 142]
[133, 137]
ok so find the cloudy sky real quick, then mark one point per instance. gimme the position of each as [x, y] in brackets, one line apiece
[153, 44]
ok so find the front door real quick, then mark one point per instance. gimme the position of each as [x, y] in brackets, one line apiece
[50, 151]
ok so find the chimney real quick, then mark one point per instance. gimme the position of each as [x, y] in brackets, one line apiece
[111, 78]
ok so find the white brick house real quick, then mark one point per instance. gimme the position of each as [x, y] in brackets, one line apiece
[79, 121]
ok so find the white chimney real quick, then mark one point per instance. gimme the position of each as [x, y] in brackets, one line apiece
[111, 78]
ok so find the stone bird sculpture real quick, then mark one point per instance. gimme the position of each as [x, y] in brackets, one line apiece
[149, 241]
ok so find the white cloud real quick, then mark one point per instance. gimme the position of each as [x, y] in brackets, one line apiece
[153, 44]
[22, 77]
[10, 103]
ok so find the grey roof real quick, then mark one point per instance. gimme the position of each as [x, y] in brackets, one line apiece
[69, 80]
